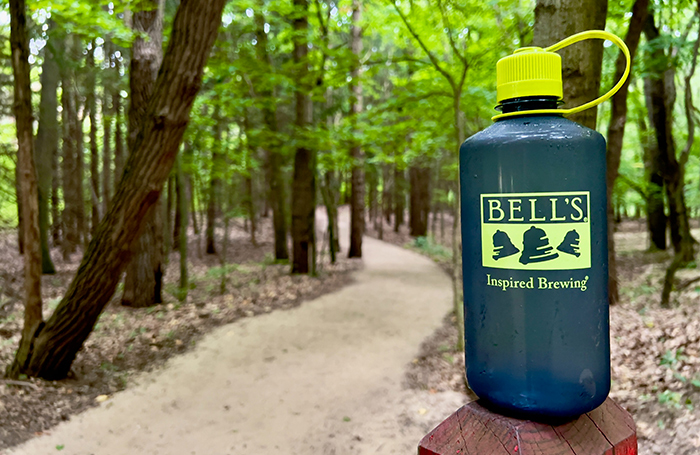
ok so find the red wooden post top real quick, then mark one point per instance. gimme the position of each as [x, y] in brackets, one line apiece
[473, 429]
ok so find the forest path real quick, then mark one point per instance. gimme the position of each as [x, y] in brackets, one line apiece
[323, 378]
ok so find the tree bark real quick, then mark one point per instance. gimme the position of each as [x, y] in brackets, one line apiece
[71, 198]
[357, 193]
[304, 182]
[107, 118]
[581, 64]
[144, 275]
[616, 133]
[78, 138]
[118, 132]
[214, 184]
[47, 141]
[29, 192]
[654, 200]
[55, 199]
[419, 179]
[270, 145]
[329, 193]
[399, 197]
[182, 227]
[662, 94]
[91, 102]
[55, 346]
[179, 199]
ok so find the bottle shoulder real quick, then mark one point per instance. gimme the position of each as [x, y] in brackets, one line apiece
[533, 129]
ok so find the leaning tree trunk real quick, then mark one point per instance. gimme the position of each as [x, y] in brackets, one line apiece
[29, 192]
[304, 183]
[357, 193]
[47, 140]
[616, 132]
[54, 347]
[144, 275]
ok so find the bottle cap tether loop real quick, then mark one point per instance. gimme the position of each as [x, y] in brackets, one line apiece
[533, 71]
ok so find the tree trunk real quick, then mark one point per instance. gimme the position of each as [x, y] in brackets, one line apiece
[273, 160]
[20, 214]
[118, 134]
[661, 96]
[304, 182]
[419, 176]
[144, 275]
[191, 193]
[29, 192]
[616, 133]
[250, 196]
[329, 192]
[179, 200]
[168, 201]
[214, 184]
[47, 141]
[654, 200]
[55, 346]
[94, 156]
[55, 199]
[388, 192]
[181, 223]
[581, 64]
[78, 138]
[357, 194]
[107, 116]
[399, 197]
[71, 198]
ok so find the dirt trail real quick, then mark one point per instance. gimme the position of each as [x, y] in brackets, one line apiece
[324, 378]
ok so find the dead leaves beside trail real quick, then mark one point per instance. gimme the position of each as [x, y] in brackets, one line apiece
[655, 351]
[126, 341]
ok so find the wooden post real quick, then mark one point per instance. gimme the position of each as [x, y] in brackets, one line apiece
[473, 429]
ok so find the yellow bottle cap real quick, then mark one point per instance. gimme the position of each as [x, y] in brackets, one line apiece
[530, 71]
[533, 71]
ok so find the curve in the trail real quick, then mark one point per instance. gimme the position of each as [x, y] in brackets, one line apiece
[323, 378]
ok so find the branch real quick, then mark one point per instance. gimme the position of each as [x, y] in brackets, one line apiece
[685, 284]
[20, 384]
[634, 186]
[689, 108]
[446, 23]
[430, 55]
[324, 26]
[402, 59]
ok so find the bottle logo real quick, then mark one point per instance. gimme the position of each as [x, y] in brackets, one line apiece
[536, 231]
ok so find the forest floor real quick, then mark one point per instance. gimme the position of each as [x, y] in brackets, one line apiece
[655, 351]
[326, 377]
[128, 341]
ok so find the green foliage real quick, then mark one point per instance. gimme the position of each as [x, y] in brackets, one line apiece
[431, 249]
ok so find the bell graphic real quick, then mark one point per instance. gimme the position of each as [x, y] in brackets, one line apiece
[570, 243]
[502, 246]
[536, 247]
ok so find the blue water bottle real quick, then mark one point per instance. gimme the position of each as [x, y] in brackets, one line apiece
[534, 233]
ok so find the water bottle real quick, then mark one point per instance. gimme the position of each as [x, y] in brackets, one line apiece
[534, 254]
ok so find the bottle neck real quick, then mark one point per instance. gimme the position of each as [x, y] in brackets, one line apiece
[529, 103]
